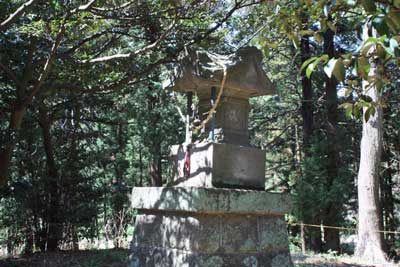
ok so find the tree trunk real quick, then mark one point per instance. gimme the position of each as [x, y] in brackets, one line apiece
[331, 213]
[141, 166]
[388, 200]
[17, 114]
[311, 236]
[306, 105]
[53, 231]
[155, 167]
[370, 243]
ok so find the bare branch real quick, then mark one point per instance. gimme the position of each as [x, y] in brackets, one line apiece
[83, 7]
[133, 54]
[47, 67]
[115, 8]
[21, 10]
[87, 6]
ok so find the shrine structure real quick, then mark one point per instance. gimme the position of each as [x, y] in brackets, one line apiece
[215, 212]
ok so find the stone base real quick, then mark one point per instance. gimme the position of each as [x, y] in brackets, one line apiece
[220, 165]
[160, 257]
[220, 231]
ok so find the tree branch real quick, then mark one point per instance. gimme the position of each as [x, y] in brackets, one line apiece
[47, 67]
[133, 54]
[21, 10]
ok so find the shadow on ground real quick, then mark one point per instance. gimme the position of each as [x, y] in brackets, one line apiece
[301, 260]
[118, 258]
[87, 258]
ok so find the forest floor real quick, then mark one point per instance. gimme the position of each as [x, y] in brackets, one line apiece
[117, 258]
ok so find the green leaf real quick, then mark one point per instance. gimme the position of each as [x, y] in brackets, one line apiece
[307, 62]
[348, 107]
[331, 26]
[393, 44]
[349, 111]
[357, 112]
[366, 47]
[310, 69]
[336, 68]
[366, 98]
[318, 37]
[363, 67]
[348, 91]
[339, 70]
[369, 112]
[363, 104]
[345, 105]
[330, 66]
[306, 32]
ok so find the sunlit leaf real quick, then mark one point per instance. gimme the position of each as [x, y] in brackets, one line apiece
[336, 68]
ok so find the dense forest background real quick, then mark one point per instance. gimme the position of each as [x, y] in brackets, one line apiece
[84, 115]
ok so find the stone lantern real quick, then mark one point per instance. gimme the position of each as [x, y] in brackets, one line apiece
[217, 213]
[228, 160]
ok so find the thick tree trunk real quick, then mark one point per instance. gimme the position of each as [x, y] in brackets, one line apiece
[370, 243]
[311, 237]
[54, 227]
[17, 115]
[331, 214]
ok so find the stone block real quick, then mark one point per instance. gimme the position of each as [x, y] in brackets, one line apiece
[239, 234]
[208, 227]
[183, 232]
[210, 200]
[220, 165]
[161, 257]
[272, 234]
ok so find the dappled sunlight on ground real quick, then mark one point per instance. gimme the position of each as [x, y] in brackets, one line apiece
[327, 260]
[118, 258]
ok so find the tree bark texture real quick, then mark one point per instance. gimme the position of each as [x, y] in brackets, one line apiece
[370, 243]
[331, 213]
[54, 228]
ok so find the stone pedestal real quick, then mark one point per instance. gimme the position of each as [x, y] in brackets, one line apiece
[220, 165]
[209, 227]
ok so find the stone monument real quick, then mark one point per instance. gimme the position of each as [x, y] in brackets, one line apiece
[215, 213]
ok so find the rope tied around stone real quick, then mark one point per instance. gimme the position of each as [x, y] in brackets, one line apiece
[214, 107]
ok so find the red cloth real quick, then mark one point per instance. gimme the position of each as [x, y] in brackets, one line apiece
[186, 166]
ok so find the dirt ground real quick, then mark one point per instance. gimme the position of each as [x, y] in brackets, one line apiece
[321, 260]
[117, 258]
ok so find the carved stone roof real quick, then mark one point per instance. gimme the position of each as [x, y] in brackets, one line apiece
[199, 71]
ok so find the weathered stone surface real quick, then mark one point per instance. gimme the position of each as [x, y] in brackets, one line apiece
[231, 120]
[210, 200]
[174, 231]
[199, 71]
[162, 257]
[220, 165]
[209, 240]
